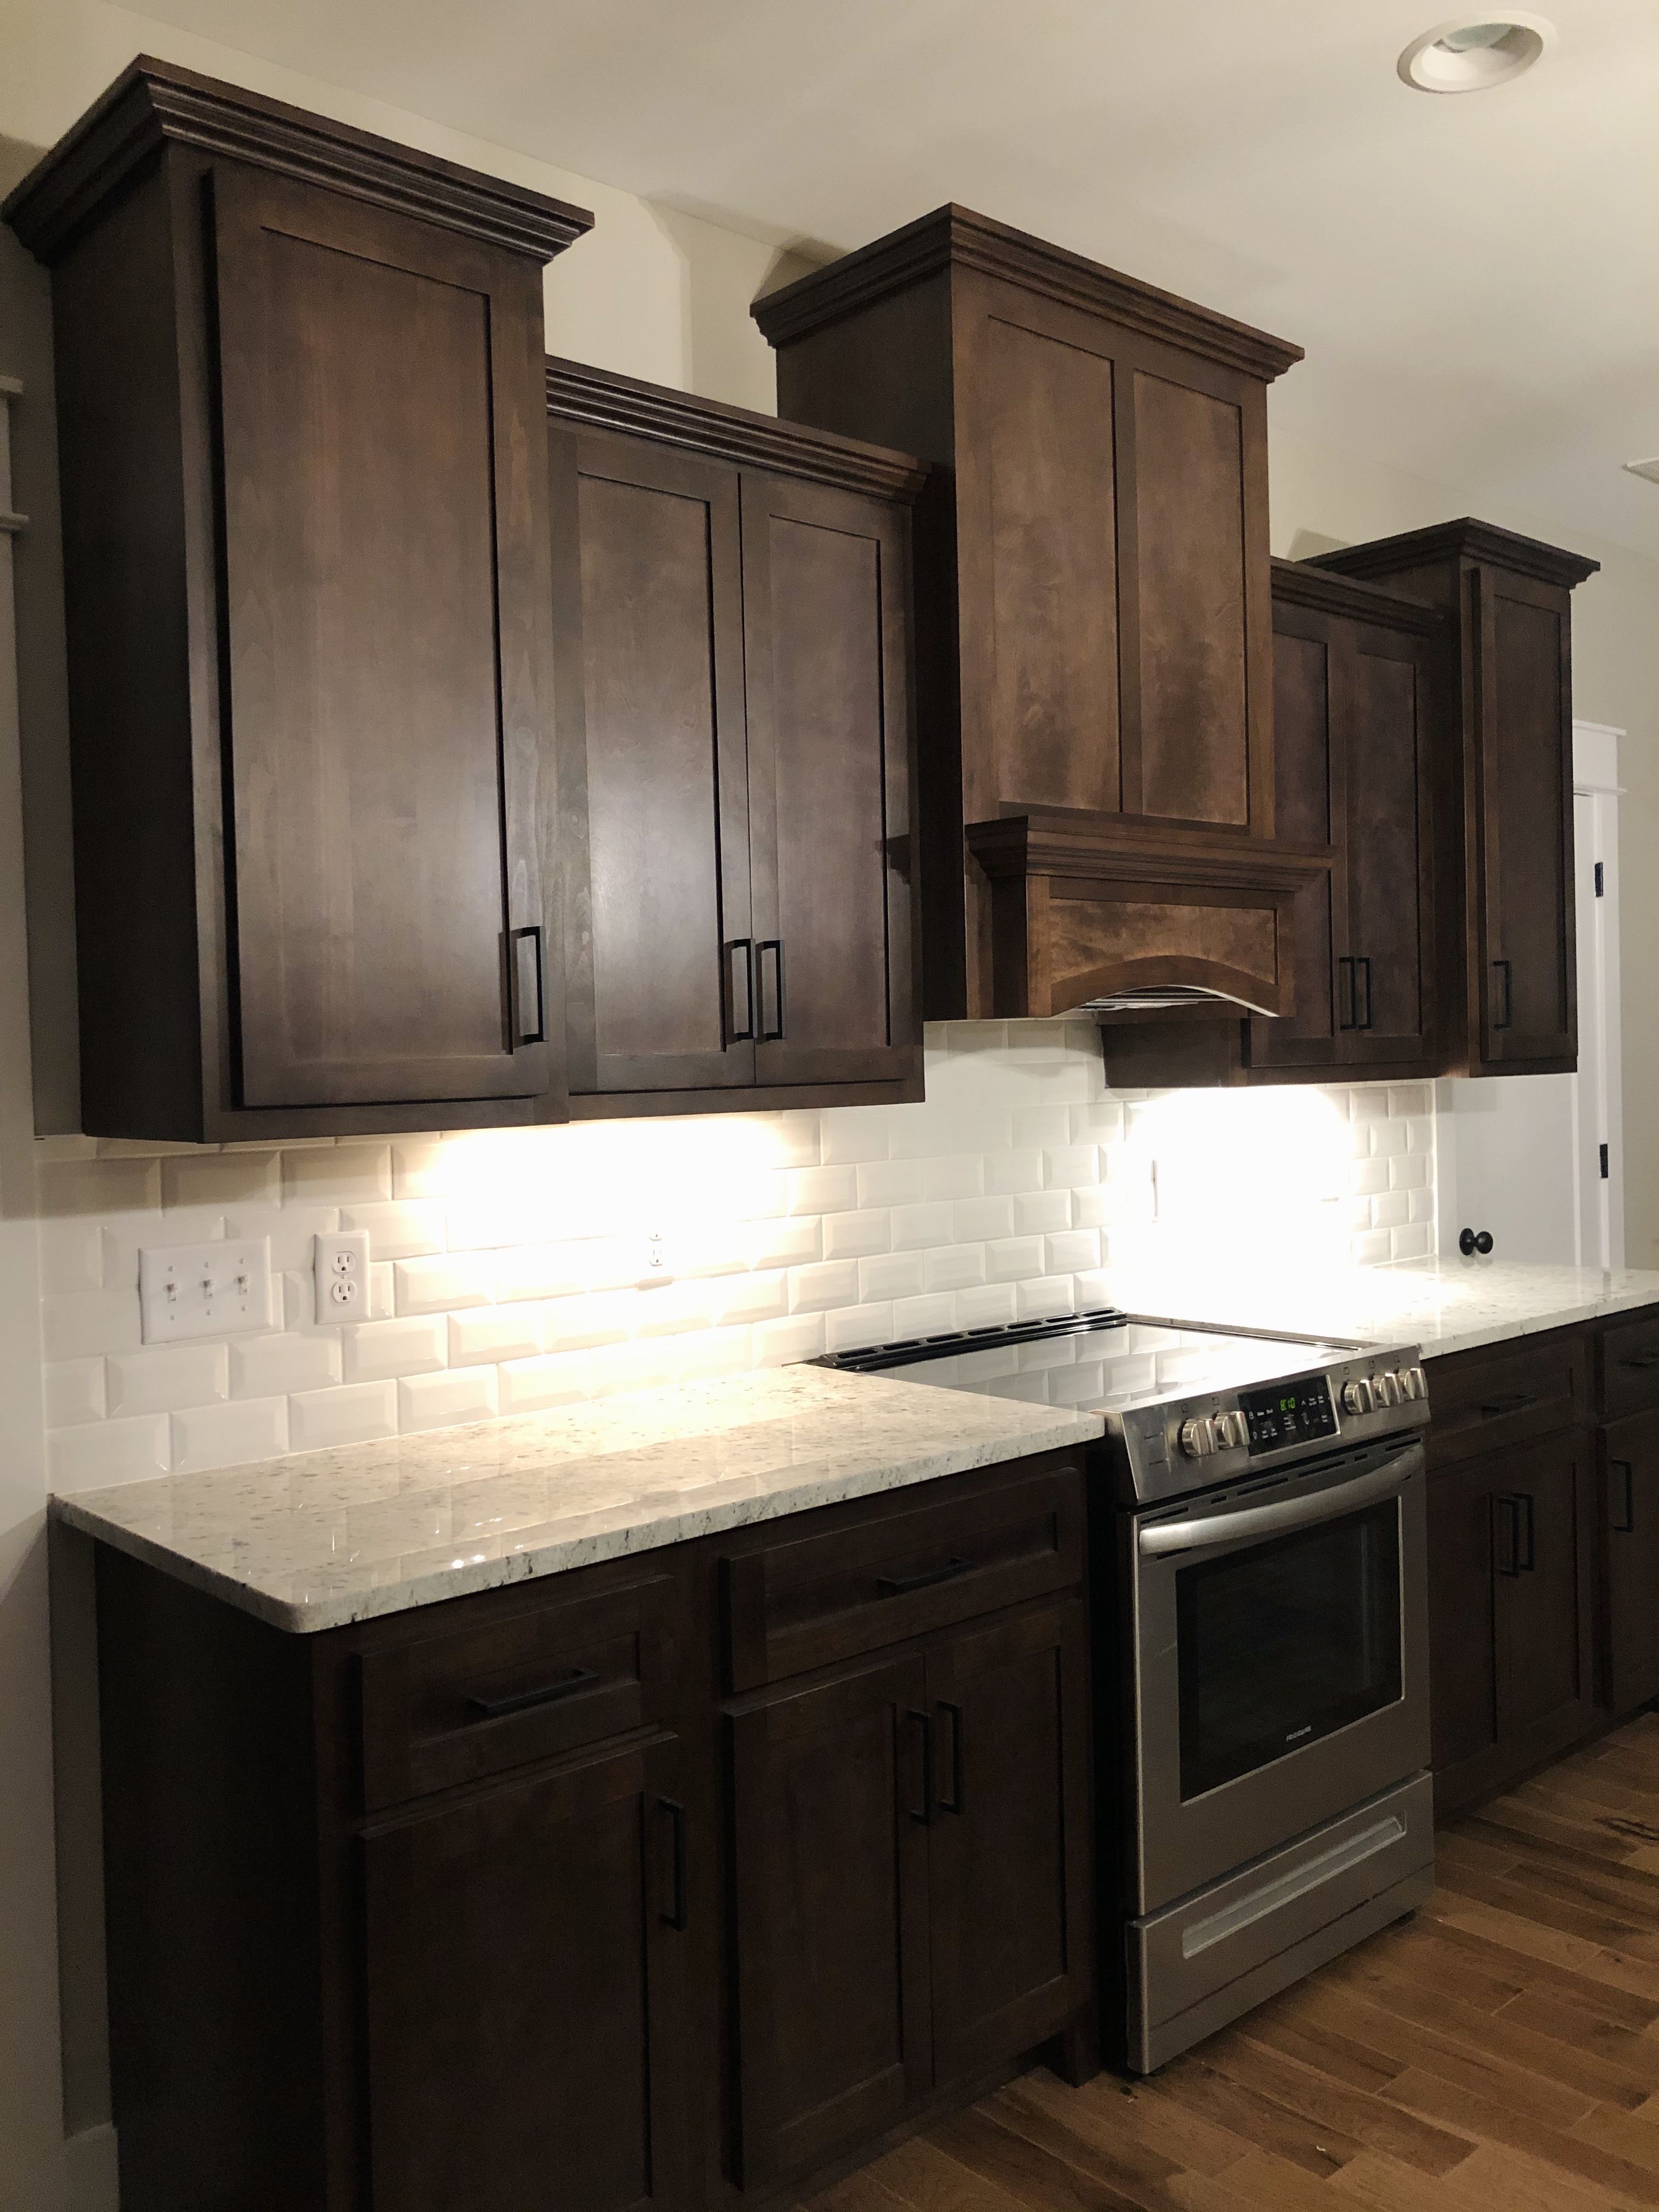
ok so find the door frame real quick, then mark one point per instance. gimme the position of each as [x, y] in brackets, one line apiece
[1598, 1113]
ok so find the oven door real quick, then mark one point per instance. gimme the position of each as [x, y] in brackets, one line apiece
[1280, 1639]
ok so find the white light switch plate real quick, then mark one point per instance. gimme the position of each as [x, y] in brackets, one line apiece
[205, 1289]
[342, 1269]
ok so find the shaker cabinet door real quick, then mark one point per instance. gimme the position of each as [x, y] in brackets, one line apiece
[1542, 1544]
[653, 774]
[1010, 1868]
[826, 622]
[1310, 759]
[1389, 985]
[525, 1998]
[1630, 1539]
[1527, 983]
[831, 1802]
[383, 689]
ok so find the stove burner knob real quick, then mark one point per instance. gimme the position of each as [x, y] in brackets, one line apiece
[1414, 1382]
[1389, 1389]
[1229, 1431]
[1356, 1397]
[1198, 1438]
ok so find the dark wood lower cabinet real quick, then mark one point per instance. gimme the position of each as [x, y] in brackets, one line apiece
[1012, 1904]
[829, 1795]
[1510, 1612]
[524, 1959]
[1630, 1561]
[510, 1902]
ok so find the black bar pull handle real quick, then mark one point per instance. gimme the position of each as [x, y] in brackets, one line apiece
[954, 1713]
[740, 967]
[1347, 995]
[1364, 961]
[1529, 1517]
[675, 1917]
[1643, 1360]
[529, 998]
[1627, 1469]
[1506, 970]
[521, 1701]
[922, 1815]
[1509, 1563]
[1495, 1409]
[901, 1585]
[771, 1032]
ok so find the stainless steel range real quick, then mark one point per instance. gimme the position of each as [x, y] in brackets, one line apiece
[1261, 1647]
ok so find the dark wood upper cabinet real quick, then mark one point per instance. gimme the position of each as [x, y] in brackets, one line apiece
[299, 407]
[1092, 605]
[1508, 959]
[735, 754]
[1361, 724]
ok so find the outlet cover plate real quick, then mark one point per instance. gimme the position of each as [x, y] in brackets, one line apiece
[342, 1272]
[205, 1289]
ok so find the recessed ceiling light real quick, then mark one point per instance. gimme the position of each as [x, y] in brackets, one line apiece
[1473, 53]
[1648, 469]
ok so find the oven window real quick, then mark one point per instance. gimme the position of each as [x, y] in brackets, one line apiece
[1281, 1643]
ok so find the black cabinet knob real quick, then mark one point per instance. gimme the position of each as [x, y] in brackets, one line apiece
[1474, 1240]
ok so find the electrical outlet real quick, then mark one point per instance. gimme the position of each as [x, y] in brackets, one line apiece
[342, 1271]
[205, 1289]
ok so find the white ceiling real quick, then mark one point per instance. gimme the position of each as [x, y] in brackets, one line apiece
[1474, 278]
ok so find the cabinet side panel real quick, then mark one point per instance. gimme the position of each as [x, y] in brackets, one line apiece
[1386, 860]
[210, 1882]
[119, 438]
[1305, 770]
[1189, 536]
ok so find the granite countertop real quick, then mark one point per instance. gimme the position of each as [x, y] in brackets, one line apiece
[1445, 1306]
[319, 1538]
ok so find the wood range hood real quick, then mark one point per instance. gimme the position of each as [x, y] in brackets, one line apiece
[1093, 616]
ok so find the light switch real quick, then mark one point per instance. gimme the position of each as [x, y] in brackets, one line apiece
[205, 1289]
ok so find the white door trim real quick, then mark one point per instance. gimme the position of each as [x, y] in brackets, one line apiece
[1598, 1088]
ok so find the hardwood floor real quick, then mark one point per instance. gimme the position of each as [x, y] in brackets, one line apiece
[1498, 2053]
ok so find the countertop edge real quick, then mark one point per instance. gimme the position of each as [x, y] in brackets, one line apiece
[1059, 1431]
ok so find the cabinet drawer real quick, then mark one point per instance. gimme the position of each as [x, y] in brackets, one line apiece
[792, 1606]
[1505, 1394]
[546, 1680]
[1630, 1367]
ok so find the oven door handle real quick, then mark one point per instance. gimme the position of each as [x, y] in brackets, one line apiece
[1213, 1529]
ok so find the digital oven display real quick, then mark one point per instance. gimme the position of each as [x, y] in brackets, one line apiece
[1289, 1413]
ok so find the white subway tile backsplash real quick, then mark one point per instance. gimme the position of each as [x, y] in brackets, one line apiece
[90, 1455]
[443, 1401]
[851, 1235]
[230, 1435]
[356, 1414]
[510, 1269]
[74, 1392]
[435, 1286]
[78, 1324]
[215, 1181]
[892, 1275]
[398, 1228]
[377, 1349]
[494, 1334]
[164, 1376]
[277, 1365]
[338, 1175]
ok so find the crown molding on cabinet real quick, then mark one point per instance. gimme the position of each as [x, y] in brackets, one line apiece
[152, 103]
[601, 400]
[955, 237]
[1466, 539]
[1299, 584]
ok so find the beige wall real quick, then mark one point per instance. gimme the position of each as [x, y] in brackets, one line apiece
[1322, 497]
[654, 293]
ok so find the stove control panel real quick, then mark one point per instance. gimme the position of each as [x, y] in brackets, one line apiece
[1365, 1396]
